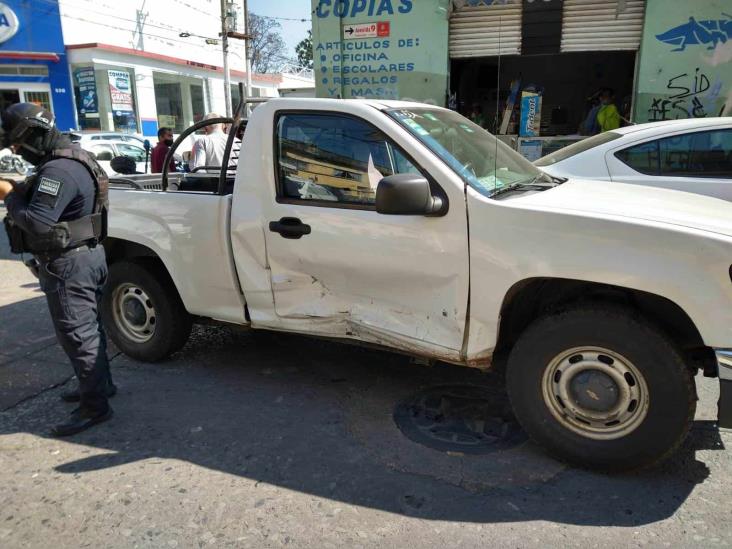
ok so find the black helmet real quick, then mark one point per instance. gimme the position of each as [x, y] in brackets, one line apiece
[23, 120]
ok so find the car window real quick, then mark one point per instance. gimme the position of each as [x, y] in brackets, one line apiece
[334, 158]
[576, 148]
[697, 154]
[642, 158]
[133, 151]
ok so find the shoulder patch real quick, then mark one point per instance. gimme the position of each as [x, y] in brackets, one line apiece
[49, 186]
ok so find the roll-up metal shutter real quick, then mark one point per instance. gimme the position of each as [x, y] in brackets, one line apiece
[479, 31]
[593, 25]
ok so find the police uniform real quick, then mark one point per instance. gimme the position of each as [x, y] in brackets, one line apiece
[58, 218]
[64, 190]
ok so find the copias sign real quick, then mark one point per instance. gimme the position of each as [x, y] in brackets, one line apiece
[355, 8]
[8, 23]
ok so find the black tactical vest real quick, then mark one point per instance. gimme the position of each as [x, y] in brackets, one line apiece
[90, 229]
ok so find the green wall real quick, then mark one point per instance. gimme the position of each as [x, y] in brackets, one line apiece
[685, 65]
[410, 63]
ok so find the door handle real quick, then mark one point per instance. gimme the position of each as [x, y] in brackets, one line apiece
[289, 227]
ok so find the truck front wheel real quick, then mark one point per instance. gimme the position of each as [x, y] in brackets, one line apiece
[602, 388]
[143, 313]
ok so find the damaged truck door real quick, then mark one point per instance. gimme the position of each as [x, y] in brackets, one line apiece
[339, 267]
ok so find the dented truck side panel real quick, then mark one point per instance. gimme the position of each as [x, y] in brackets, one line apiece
[397, 281]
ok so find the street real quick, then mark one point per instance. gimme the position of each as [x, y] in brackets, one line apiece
[259, 439]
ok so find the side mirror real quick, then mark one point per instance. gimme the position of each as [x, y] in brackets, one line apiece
[407, 194]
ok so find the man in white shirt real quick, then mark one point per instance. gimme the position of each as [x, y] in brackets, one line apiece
[209, 149]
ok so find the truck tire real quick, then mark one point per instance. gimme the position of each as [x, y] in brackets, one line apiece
[602, 388]
[143, 313]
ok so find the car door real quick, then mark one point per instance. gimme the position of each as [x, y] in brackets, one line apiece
[340, 268]
[698, 162]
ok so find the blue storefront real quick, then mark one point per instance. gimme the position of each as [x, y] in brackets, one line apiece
[33, 64]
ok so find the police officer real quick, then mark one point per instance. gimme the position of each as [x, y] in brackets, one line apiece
[59, 216]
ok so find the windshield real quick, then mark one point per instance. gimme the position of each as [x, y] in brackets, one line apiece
[481, 160]
[576, 148]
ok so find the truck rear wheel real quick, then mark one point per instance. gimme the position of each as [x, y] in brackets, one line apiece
[602, 388]
[143, 313]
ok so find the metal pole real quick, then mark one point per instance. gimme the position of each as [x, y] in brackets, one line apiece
[247, 54]
[225, 48]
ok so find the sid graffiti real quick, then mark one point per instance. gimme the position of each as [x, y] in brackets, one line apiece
[689, 96]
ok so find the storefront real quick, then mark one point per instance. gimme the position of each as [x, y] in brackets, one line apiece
[33, 65]
[564, 51]
[478, 56]
[120, 89]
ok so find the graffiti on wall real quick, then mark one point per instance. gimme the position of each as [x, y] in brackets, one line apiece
[693, 33]
[687, 96]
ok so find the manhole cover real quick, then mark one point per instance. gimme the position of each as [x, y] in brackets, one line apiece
[460, 418]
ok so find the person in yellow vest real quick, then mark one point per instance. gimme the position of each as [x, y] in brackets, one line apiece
[608, 116]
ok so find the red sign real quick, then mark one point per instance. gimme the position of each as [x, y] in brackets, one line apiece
[382, 28]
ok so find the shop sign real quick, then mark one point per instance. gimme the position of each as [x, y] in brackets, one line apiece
[366, 30]
[399, 54]
[87, 84]
[166, 120]
[121, 91]
[9, 24]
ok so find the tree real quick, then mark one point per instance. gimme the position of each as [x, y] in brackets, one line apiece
[267, 45]
[304, 50]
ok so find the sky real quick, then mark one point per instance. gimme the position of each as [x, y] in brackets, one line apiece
[292, 31]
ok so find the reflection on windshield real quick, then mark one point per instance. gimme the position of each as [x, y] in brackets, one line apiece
[481, 160]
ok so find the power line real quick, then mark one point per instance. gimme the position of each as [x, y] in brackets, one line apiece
[118, 18]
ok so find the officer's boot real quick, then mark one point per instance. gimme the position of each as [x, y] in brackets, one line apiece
[74, 395]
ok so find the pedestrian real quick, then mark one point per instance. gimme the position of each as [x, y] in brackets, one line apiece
[59, 216]
[157, 158]
[476, 115]
[608, 116]
[209, 149]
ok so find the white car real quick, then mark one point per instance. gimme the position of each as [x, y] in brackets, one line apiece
[110, 136]
[106, 150]
[693, 155]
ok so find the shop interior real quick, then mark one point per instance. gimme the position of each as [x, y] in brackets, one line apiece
[565, 82]
[179, 100]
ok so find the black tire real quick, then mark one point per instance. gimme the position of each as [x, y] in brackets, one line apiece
[172, 323]
[671, 394]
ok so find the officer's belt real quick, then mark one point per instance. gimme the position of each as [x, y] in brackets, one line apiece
[45, 257]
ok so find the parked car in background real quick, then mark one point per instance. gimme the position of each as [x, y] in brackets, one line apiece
[693, 155]
[109, 136]
[106, 150]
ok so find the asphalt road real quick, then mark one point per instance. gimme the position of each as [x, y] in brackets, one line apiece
[264, 440]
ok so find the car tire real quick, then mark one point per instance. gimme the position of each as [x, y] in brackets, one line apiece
[142, 312]
[600, 387]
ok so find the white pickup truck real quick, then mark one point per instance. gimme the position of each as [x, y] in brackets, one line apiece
[408, 227]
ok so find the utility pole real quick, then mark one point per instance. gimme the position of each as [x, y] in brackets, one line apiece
[225, 48]
[247, 52]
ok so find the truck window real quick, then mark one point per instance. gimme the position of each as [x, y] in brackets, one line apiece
[333, 158]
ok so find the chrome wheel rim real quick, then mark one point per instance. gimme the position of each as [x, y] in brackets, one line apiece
[595, 392]
[133, 312]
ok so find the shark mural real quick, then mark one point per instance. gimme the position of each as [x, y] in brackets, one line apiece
[709, 33]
